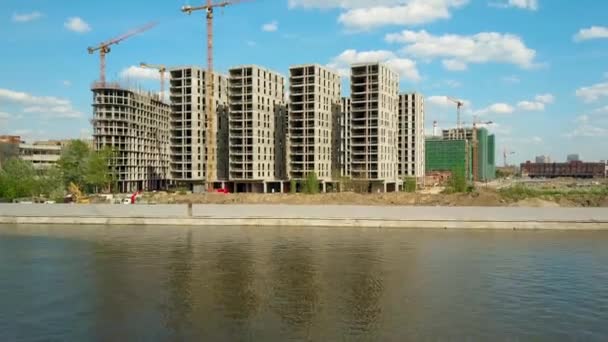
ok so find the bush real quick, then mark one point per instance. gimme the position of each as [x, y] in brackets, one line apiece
[409, 184]
[312, 184]
[293, 186]
[457, 182]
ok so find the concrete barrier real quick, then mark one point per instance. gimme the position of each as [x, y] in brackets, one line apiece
[308, 216]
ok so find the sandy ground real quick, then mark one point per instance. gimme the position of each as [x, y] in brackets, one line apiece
[480, 198]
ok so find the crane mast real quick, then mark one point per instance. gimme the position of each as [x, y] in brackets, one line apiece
[104, 48]
[211, 125]
[162, 70]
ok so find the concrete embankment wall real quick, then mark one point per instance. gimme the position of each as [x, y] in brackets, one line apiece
[305, 216]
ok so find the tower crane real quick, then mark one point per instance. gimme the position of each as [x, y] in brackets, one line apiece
[459, 105]
[211, 126]
[104, 48]
[162, 70]
[505, 155]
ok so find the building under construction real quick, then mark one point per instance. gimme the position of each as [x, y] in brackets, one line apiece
[188, 127]
[449, 155]
[374, 108]
[256, 95]
[483, 154]
[411, 137]
[345, 137]
[572, 169]
[314, 108]
[135, 125]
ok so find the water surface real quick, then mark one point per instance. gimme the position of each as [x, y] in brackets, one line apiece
[272, 284]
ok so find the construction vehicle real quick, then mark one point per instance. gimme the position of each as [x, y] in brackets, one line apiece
[211, 117]
[162, 70]
[104, 48]
[75, 195]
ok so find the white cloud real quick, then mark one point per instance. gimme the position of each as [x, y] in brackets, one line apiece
[593, 93]
[497, 108]
[76, 24]
[531, 5]
[539, 103]
[458, 50]
[454, 65]
[511, 79]
[545, 98]
[66, 112]
[361, 15]
[138, 73]
[26, 17]
[272, 26]
[603, 110]
[594, 32]
[67, 83]
[46, 105]
[444, 101]
[405, 67]
[586, 129]
[4, 116]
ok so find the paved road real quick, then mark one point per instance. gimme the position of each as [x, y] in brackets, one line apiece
[310, 212]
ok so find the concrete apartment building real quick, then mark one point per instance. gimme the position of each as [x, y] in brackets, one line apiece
[42, 154]
[256, 97]
[345, 137]
[136, 126]
[411, 139]
[314, 109]
[188, 127]
[374, 126]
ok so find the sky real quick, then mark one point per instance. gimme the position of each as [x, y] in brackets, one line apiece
[537, 69]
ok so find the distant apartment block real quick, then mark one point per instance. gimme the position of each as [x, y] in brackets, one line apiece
[345, 137]
[411, 138]
[543, 159]
[255, 98]
[375, 102]
[188, 126]
[136, 126]
[314, 104]
[42, 155]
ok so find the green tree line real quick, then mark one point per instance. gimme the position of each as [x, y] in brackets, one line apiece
[89, 170]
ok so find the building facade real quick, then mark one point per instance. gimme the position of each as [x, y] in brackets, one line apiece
[255, 95]
[135, 125]
[374, 126]
[411, 139]
[345, 137]
[42, 155]
[188, 126]
[314, 97]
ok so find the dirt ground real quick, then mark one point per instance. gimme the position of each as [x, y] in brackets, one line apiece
[479, 198]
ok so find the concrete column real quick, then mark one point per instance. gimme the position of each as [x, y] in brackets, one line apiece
[385, 187]
[282, 187]
[265, 186]
[324, 186]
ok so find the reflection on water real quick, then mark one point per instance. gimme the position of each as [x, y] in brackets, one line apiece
[232, 284]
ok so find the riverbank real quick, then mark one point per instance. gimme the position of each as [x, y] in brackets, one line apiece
[309, 216]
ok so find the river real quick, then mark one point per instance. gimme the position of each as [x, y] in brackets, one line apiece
[278, 284]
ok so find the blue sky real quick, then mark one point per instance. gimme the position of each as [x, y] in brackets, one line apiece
[537, 68]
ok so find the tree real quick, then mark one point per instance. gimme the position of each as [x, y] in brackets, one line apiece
[97, 171]
[17, 179]
[409, 184]
[312, 183]
[50, 184]
[73, 163]
[458, 182]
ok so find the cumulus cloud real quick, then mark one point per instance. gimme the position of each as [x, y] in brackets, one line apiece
[405, 67]
[593, 93]
[497, 108]
[272, 26]
[26, 17]
[458, 51]
[538, 104]
[361, 15]
[77, 24]
[593, 32]
[531, 5]
[135, 72]
[46, 105]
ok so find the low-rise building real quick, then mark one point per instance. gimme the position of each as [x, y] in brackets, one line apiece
[41, 155]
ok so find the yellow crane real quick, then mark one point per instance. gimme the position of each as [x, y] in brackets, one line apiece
[211, 129]
[162, 70]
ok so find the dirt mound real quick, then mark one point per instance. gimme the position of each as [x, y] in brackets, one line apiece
[535, 203]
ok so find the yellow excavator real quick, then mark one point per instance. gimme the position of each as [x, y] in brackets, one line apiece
[76, 195]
